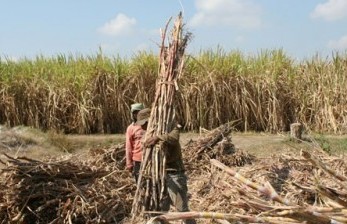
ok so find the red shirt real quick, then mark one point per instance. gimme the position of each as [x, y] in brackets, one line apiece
[133, 144]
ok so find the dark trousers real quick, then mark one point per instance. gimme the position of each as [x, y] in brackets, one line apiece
[177, 191]
[136, 170]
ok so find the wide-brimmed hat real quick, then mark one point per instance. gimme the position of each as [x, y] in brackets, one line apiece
[143, 116]
[136, 107]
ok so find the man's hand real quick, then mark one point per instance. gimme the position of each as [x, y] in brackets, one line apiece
[151, 141]
[130, 169]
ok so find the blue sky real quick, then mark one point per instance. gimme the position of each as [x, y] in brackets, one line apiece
[302, 28]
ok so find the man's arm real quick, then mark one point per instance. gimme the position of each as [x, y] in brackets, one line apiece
[129, 148]
[171, 138]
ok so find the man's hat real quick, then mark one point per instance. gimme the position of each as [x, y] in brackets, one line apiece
[136, 106]
[143, 116]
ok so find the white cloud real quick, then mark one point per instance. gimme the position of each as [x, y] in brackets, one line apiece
[236, 13]
[340, 44]
[119, 26]
[331, 10]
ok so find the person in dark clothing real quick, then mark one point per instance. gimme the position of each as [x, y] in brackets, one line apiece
[176, 180]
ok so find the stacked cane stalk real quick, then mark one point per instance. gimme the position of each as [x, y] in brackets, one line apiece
[310, 188]
[68, 190]
[151, 183]
[215, 144]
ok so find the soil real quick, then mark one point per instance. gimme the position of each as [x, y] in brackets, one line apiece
[31, 143]
[34, 144]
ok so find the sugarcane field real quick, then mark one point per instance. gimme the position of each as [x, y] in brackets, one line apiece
[246, 139]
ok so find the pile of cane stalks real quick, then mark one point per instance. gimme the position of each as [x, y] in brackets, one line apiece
[306, 187]
[310, 187]
[214, 144]
[66, 190]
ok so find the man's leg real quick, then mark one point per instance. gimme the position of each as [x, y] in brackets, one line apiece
[177, 188]
[136, 171]
[165, 202]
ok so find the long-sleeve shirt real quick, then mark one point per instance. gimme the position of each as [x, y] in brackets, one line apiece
[171, 142]
[133, 144]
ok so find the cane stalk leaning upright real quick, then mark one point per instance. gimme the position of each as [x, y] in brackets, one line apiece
[151, 183]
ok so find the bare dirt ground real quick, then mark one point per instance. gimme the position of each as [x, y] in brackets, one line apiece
[257, 144]
[24, 141]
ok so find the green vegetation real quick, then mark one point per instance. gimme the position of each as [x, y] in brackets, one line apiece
[60, 141]
[324, 143]
[341, 144]
[333, 144]
[91, 94]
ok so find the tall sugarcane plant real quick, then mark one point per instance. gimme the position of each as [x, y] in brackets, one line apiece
[151, 184]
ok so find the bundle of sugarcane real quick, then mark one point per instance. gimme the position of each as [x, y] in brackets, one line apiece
[150, 187]
[65, 191]
[211, 139]
[214, 144]
[110, 157]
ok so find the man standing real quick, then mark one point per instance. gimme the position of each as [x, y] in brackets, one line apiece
[133, 148]
[176, 180]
